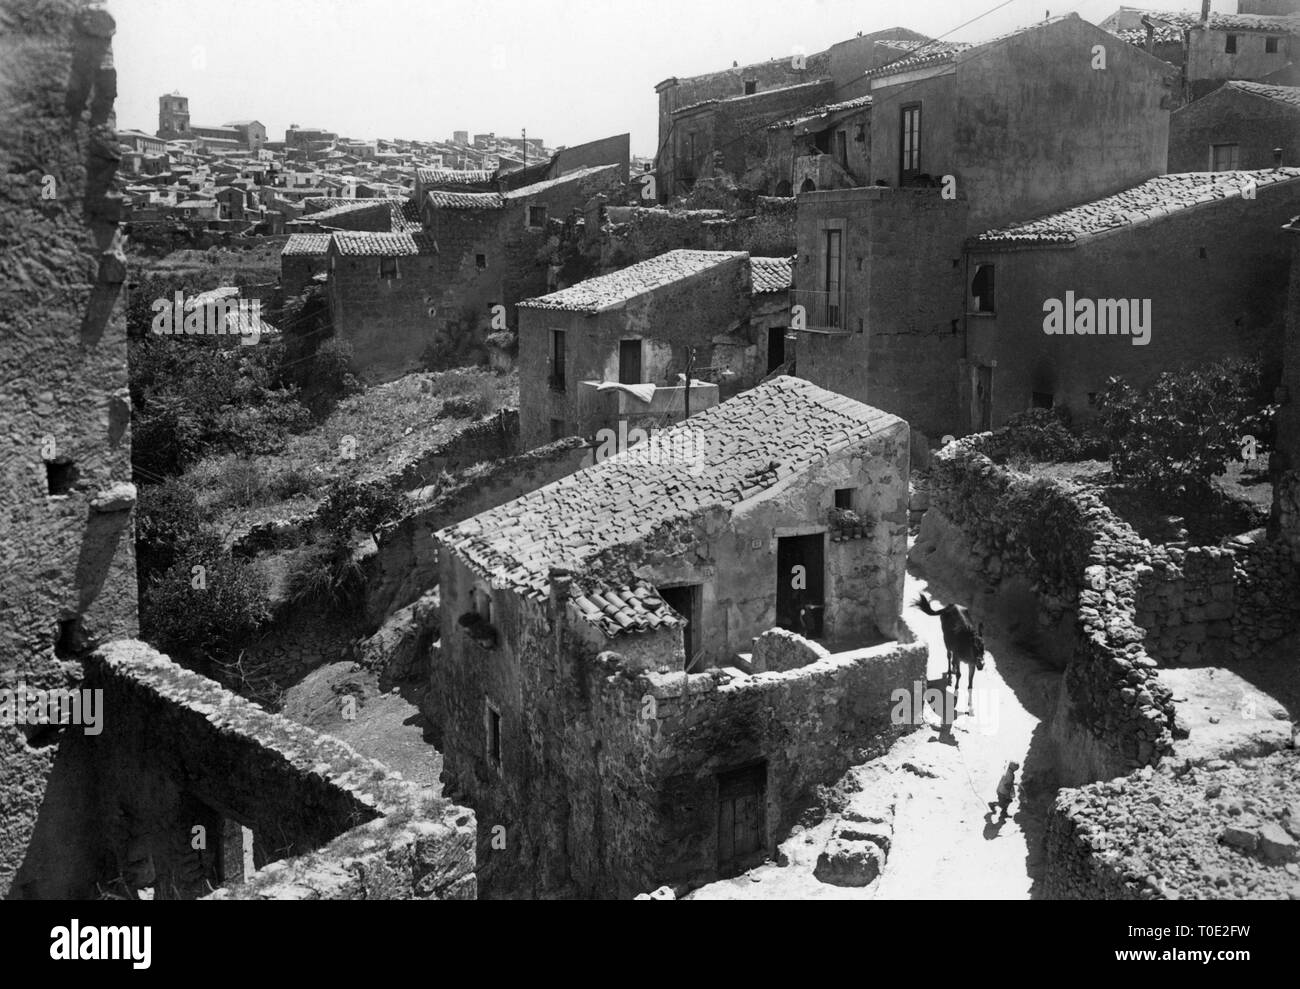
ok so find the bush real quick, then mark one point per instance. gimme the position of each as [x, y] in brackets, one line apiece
[1183, 430]
[1040, 434]
[352, 506]
[168, 522]
[329, 576]
[215, 618]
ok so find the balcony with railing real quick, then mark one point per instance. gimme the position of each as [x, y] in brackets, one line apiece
[832, 313]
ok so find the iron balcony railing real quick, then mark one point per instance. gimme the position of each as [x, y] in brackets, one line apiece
[825, 312]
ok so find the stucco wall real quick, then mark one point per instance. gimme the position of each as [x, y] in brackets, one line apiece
[1228, 303]
[1028, 126]
[1229, 116]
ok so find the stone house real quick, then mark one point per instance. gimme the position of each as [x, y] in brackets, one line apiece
[726, 128]
[1241, 125]
[1183, 270]
[880, 292]
[303, 257]
[823, 147]
[1209, 48]
[640, 326]
[610, 688]
[378, 288]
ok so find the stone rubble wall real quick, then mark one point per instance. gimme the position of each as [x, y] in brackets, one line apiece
[635, 233]
[1219, 830]
[778, 650]
[1114, 714]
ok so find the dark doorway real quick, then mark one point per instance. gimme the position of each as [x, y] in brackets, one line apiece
[742, 794]
[808, 186]
[800, 583]
[775, 347]
[629, 362]
[686, 601]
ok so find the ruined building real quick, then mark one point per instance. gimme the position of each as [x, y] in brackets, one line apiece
[619, 692]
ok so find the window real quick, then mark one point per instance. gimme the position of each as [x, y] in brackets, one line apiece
[1270, 45]
[388, 267]
[1041, 400]
[833, 274]
[629, 362]
[842, 149]
[481, 601]
[981, 289]
[557, 360]
[537, 216]
[844, 498]
[910, 141]
[1224, 157]
[751, 87]
[60, 476]
[1230, 46]
[492, 724]
[557, 429]
[480, 260]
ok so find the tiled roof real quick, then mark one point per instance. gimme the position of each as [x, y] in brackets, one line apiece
[455, 176]
[350, 243]
[1162, 35]
[1183, 19]
[1161, 196]
[922, 54]
[752, 442]
[1289, 95]
[824, 110]
[465, 200]
[607, 291]
[306, 245]
[748, 96]
[771, 274]
[403, 213]
[528, 191]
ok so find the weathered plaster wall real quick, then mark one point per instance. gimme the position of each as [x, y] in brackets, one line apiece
[1229, 116]
[67, 567]
[1028, 126]
[1213, 275]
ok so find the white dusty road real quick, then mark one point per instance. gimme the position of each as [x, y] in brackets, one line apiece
[946, 845]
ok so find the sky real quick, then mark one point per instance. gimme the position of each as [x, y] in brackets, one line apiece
[568, 71]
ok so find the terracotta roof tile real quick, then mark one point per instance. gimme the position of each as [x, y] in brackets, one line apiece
[771, 274]
[455, 176]
[306, 245]
[1289, 95]
[717, 458]
[606, 291]
[441, 199]
[350, 243]
[1161, 196]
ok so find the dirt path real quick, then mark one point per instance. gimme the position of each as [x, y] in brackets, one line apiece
[945, 843]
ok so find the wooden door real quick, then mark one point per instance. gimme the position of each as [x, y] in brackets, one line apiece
[741, 818]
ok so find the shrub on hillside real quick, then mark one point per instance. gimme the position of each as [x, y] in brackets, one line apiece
[168, 522]
[357, 506]
[1040, 434]
[206, 604]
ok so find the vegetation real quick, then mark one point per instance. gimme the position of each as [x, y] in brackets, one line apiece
[1175, 436]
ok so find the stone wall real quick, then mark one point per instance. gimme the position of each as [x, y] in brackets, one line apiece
[386, 321]
[67, 565]
[177, 752]
[1114, 714]
[406, 564]
[778, 650]
[635, 233]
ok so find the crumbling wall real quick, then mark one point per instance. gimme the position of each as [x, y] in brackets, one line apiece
[1218, 830]
[636, 233]
[67, 567]
[778, 650]
[172, 737]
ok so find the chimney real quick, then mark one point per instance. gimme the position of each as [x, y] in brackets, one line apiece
[1205, 13]
[1151, 33]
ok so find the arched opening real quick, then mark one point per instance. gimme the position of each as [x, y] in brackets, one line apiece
[784, 189]
[808, 186]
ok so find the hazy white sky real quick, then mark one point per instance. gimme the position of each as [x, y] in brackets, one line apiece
[567, 70]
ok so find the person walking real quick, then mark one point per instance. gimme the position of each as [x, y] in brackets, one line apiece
[1006, 790]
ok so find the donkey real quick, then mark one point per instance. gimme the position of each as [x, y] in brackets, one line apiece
[965, 643]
